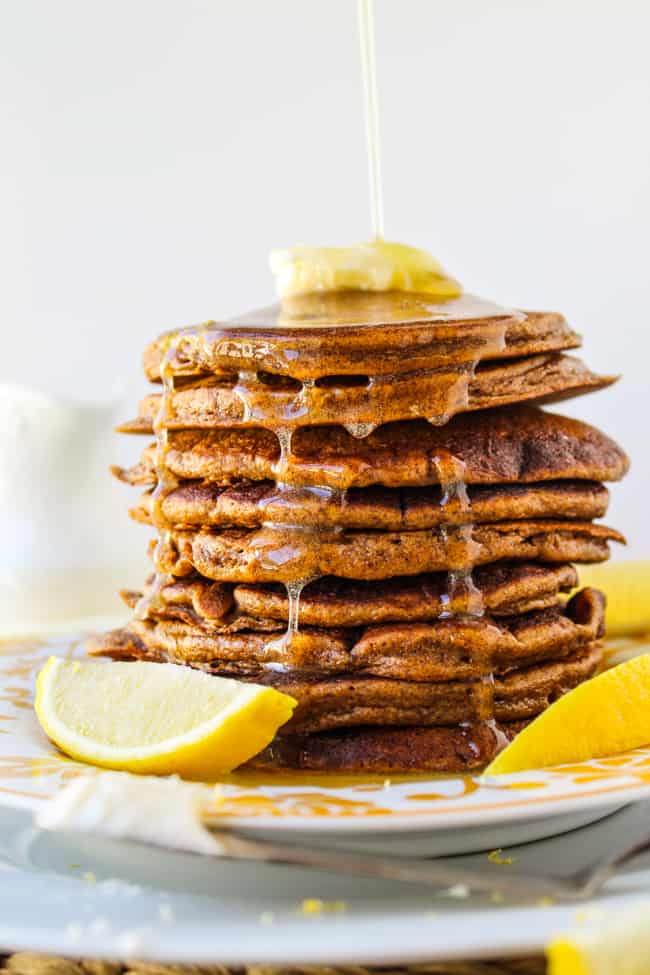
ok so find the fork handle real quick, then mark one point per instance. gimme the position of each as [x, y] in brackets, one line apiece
[432, 873]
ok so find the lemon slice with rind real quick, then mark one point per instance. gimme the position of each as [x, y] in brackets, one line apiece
[374, 266]
[604, 716]
[156, 719]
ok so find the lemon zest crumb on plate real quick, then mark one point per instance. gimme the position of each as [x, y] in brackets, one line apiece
[495, 857]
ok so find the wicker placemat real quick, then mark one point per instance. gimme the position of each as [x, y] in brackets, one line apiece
[29, 963]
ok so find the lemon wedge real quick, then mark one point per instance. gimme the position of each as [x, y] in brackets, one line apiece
[627, 587]
[156, 719]
[614, 945]
[374, 266]
[604, 716]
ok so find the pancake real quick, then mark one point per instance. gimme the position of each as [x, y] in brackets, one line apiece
[436, 395]
[345, 702]
[506, 589]
[457, 649]
[461, 749]
[285, 554]
[288, 340]
[520, 445]
[376, 508]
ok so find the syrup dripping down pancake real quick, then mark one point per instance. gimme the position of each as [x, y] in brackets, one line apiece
[438, 651]
[519, 445]
[284, 554]
[249, 505]
[368, 401]
[290, 342]
[506, 590]
[344, 702]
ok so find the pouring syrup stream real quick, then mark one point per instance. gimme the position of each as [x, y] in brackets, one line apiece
[369, 77]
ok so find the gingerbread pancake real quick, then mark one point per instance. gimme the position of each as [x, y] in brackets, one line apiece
[519, 445]
[249, 505]
[345, 702]
[459, 648]
[505, 589]
[284, 554]
[355, 333]
[391, 750]
[361, 403]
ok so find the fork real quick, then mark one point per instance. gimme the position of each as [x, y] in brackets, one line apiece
[580, 885]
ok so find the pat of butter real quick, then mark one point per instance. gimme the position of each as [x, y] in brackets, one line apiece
[374, 266]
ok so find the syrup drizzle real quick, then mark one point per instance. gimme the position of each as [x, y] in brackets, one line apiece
[166, 482]
[246, 381]
[462, 597]
[294, 592]
[436, 395]
[244, 338]
[281, 646]
[283, 466]
[462, 550]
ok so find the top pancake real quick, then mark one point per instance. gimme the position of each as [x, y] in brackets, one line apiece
[358, 333]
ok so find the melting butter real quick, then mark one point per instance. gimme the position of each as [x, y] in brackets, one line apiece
[378, 265]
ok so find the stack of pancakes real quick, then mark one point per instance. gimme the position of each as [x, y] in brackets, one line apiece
[358, 502]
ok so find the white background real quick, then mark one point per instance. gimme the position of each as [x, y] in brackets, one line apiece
[153, 151]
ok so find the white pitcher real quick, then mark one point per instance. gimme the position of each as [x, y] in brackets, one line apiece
[67, 544]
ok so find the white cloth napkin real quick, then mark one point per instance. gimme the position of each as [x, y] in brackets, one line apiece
[164, 812]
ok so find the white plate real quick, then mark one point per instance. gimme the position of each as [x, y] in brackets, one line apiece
[79, 895]
[89, 896]
[415, 814]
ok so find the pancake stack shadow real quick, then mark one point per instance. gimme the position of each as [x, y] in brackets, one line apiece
[359, 501]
